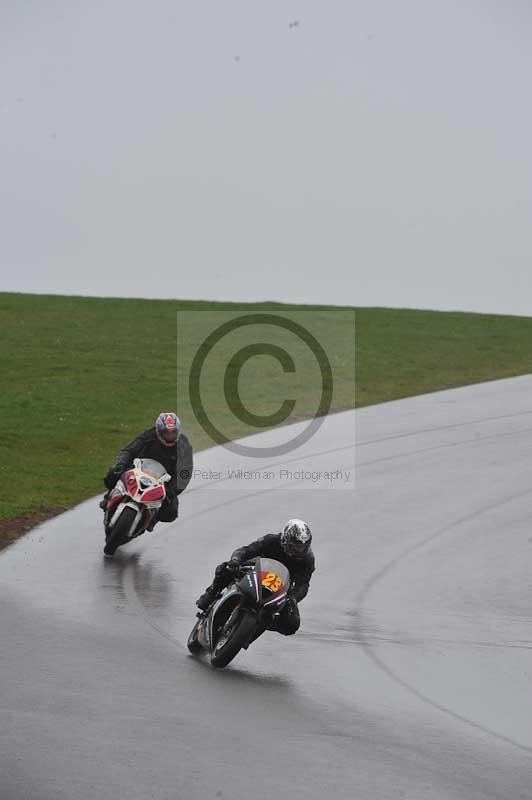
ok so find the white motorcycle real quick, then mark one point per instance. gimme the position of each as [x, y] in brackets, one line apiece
[134, 502]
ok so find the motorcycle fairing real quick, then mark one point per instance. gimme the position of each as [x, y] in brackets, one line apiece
[233, 597]
[249, 585]
[153, 494]
[274, 580]
[140, 489]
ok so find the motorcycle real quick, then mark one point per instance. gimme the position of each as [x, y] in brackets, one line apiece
[243, 612]
[134, 502]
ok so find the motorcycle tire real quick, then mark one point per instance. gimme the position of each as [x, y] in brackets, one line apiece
[193, 645]
[119, 533]
[239, 635]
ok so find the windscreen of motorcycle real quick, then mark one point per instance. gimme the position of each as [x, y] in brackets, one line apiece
[153, 468]
[273, 577]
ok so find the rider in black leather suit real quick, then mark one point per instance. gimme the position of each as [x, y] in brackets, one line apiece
[291, 548]
[165, 443]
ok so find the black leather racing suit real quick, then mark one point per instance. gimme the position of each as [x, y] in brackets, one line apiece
[176, 460]
[300, 569]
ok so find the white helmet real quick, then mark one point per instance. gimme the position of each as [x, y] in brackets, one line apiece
[296, 538]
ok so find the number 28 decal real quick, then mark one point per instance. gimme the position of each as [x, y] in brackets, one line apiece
[272, 581]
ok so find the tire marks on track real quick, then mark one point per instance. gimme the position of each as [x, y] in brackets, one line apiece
[381, 575]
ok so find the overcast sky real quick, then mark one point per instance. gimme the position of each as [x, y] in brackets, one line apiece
[376, 153]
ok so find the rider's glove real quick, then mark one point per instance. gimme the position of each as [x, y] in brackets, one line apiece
[111, 479]
[233, 566]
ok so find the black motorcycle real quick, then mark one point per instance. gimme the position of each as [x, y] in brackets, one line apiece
[242, 613]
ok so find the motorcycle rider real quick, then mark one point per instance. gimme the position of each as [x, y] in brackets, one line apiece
[292, 548]
[165, 443]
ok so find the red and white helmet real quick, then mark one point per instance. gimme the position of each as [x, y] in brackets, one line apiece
[168, 428]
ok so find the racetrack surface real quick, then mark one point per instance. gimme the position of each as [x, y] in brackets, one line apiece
[410, 676]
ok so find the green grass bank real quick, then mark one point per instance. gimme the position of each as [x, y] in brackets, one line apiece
[81, 376]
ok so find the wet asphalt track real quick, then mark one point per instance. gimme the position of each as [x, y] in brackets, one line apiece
[411, 676]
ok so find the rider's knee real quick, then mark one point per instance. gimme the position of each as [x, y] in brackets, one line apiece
[290, 627]
[168, 515]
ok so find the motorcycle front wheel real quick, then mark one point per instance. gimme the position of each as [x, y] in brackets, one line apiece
[119, 532]
[231, 641]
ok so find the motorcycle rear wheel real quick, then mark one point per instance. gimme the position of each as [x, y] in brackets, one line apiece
[119, 533]
[232, 644]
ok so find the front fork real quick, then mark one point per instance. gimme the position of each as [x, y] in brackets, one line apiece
[111, 517]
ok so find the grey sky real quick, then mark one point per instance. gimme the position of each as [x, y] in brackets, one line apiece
[377, 154]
